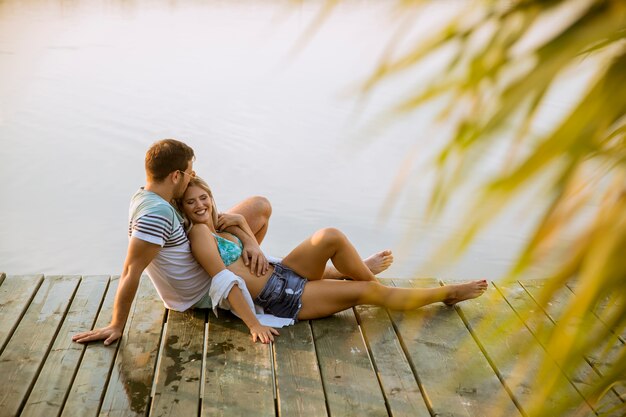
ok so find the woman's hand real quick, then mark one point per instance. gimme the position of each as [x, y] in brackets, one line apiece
[265, 334]
[110, 334]
[226, 220]
[253, 257]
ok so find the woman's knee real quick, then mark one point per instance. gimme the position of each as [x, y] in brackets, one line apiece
[329, 235]
[261, 206]
[369, 292]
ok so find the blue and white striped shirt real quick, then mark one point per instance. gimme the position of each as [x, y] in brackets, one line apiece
[177, 277]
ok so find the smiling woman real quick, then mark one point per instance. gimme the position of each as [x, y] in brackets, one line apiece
[296, 287]
[199, 205]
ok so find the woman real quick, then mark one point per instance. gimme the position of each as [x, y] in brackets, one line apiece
[282, 290]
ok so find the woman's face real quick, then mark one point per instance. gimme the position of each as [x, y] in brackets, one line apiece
[197, 205]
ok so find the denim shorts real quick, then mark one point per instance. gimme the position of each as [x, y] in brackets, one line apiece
[282, 294]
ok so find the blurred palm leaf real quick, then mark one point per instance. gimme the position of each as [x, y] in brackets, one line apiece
[497, 81]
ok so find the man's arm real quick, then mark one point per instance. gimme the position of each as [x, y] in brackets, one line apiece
[138, 256]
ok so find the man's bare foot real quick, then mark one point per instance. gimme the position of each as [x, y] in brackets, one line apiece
[379, 261]
[376, 263]
[465, 291]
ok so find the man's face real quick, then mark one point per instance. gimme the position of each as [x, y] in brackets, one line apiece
[187, 175]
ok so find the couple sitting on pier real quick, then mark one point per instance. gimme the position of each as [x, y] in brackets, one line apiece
[202, 259]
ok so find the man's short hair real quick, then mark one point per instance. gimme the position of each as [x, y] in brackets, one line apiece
[166, 156]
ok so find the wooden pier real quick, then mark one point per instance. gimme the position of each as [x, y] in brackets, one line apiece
[436, 361]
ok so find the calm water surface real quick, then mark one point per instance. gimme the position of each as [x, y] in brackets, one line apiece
[86, 88]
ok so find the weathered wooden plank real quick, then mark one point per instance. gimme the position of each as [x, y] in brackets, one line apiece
[16, 293]
[399, 385]
[177, 391]
[350, 383]
[298, 381]
[615, 300]
[130, 385]
[238, 373]
[517, 355]
[542, 327]
[606, 351]
[57, 374]
[25, 352]
[86, 392]
[455, 376]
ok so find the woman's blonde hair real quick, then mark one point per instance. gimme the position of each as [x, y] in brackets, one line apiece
[198, 182]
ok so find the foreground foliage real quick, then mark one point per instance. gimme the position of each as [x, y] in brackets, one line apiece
[507, 58]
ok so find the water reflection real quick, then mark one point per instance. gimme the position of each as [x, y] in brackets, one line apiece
[85, 88]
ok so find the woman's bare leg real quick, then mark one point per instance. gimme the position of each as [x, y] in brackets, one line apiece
[309, 258]
[376, 263]
[257, 211]
[325, 297]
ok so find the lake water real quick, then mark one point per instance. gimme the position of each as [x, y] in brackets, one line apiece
[86, 88]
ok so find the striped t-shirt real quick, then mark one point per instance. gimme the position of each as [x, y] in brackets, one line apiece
[177, 277]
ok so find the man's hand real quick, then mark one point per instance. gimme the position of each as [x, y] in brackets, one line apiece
[253, 257]
[226, 220]
[110, 334]
[265, 334]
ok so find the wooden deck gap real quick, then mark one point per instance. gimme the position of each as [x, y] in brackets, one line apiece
[104, 294]
[554, 323]
[50, 344]
[108, 375]
[553, 320]
[545, 350]
[82, 353]
[157, 362]
[482, 348]
[370, 354]
[489, 360]
[159, 355]
[570, 287]
[546, 312]
[274, 377]
[205, 340]
[24, 310]
[108, 378]
[407, 354]
[319, 368]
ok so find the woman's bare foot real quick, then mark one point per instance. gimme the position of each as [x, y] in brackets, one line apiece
[379, 261]
[376, 263]
[465, 291]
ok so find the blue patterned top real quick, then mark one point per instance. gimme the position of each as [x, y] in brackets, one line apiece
[229, 250]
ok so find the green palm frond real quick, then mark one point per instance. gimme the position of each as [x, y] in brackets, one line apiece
[496, 83]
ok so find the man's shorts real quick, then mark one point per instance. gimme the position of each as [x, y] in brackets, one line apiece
[282, 294]
[204, 302]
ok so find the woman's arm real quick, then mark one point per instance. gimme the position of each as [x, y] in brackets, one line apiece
[240, 306]
[252, 254]
[204, 249]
